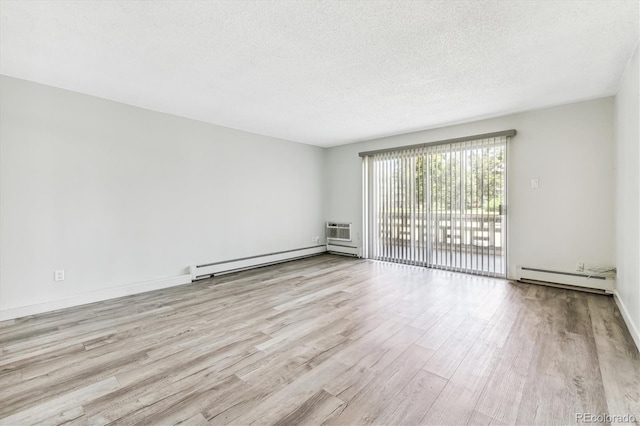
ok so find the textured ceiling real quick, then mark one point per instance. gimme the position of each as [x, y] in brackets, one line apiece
[324, 72]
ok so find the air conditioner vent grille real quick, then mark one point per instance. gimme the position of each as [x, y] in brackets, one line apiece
[338, 231]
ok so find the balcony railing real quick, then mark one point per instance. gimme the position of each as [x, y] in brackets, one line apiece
[445, 231]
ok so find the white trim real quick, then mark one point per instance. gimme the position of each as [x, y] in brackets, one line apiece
[199, 271]
[93, 296]
[633, 329]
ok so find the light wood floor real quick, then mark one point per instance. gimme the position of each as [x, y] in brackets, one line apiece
[324, 340]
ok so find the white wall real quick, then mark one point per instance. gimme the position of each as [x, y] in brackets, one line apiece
[628, 195]
[569, 149]
[117, 195]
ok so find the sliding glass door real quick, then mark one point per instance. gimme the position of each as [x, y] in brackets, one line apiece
[441, 206]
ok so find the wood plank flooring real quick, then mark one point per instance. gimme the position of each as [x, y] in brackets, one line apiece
[324, 340]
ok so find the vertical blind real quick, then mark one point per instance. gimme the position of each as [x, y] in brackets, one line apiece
[441, 206]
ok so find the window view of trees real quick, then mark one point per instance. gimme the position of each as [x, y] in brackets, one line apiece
[470, 180]
[467, 180]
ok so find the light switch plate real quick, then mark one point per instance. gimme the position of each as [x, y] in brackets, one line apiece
[534, 183]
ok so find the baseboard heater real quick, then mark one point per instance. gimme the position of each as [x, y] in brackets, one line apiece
[343, 250]
[199, 272]
[570, 280]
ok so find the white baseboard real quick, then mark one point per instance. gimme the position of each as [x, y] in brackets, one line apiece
[200, 271]
[93, 296]
[633, 328]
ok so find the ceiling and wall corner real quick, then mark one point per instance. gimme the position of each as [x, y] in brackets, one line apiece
[323, 72]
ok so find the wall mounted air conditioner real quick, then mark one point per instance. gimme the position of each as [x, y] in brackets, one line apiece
[337, 231]
[339, 240]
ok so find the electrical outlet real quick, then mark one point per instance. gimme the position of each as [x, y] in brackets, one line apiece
[315, 240]
[58, 275]
[580, 266]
